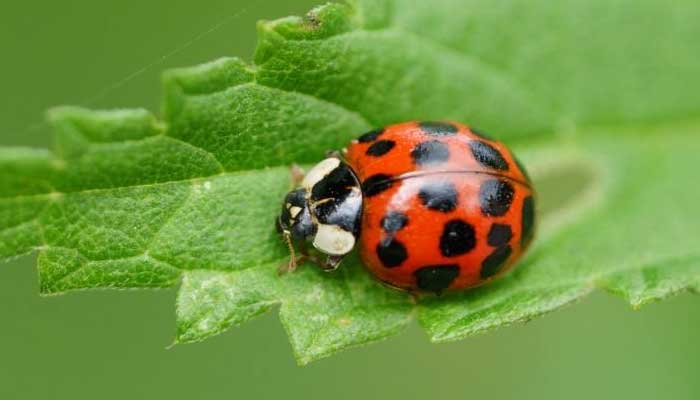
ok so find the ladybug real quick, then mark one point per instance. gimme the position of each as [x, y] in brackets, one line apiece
[433, 207]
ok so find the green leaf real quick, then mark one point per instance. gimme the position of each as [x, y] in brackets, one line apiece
[597, 98]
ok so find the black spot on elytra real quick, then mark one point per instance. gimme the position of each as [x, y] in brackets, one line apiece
[391, 252]
[481, 134]
[436, 278]
[436, 128]
[494, 262]
[458, 237]
[495, 197]
[499, 234]
[378, 149]
[376, 184]
[439, 196]
[430, 152]
[528, 221]
[394, 221]
[370, 136]
[487, 155]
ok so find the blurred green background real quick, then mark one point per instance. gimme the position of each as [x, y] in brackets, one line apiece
[112, 345]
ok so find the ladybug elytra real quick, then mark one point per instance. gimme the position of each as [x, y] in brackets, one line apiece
[433, 206]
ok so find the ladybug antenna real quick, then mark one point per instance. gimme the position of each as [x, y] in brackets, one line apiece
[292, 253]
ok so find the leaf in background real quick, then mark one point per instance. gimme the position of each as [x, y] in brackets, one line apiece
[593, 94]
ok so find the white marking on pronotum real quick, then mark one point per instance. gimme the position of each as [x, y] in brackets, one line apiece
[319, 171]
[333, 240]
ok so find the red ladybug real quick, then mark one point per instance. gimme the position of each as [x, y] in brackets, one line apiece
[435, 206]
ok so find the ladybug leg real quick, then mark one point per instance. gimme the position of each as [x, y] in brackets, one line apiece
[331, 263]
[290, 265]
[296, 174]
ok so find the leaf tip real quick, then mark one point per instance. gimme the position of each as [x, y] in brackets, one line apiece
[321, 22]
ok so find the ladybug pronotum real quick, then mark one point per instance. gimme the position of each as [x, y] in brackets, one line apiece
[433, 206]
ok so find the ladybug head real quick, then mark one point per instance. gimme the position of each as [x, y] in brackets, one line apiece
[295, 218]
[325, 211]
